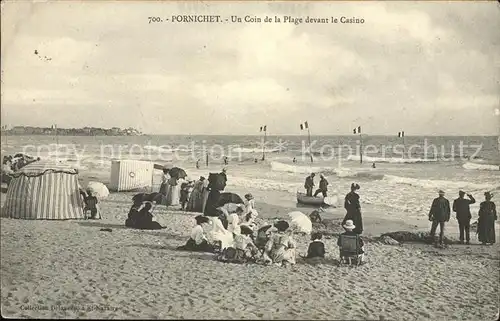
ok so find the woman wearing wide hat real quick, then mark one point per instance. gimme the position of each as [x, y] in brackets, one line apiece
[353, 208]
[349, 230]
[280, 249]
[486, 222]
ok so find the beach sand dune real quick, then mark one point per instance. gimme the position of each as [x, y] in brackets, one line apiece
[72, 269]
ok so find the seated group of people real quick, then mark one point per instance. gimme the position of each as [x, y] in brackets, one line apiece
[232, 215]
[271, 245]
[141, 218]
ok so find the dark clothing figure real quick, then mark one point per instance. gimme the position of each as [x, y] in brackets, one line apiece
[316, 249]
[353, 208]
[461, 206]
[91, 206]
[211, 205]
[142, 219]
[133, 216]
[185, 191]
[323, 187]
[360, 243]
[224, 176]
[309, 185]
[439, 214]
[191, 245]
[440, 210]
[486, 222]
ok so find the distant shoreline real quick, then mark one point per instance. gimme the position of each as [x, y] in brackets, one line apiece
[10, 133]
[86, 131]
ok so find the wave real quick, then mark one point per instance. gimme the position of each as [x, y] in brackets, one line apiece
[326, 170]
[439, 184]
[391, 160]
[484, 167]
[158, 149]
[255, 150]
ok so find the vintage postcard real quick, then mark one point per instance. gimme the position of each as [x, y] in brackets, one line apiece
[301, 160]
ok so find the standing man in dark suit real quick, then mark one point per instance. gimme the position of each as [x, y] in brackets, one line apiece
[309, 184]
[461, 206]
[438, 215]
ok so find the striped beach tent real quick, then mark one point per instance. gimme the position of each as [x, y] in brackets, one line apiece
[44, 191]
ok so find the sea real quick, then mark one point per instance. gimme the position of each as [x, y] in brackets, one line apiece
[398, 175]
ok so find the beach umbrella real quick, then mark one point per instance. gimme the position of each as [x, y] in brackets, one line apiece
[300, 222]
[98, 189]
[177, 172]
[229, 198]
[282, 225]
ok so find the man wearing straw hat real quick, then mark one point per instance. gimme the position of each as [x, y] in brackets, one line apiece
[438, 215]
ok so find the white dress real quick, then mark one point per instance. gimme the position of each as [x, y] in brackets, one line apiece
[217, 232]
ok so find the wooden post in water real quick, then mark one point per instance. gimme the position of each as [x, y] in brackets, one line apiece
[309, 137]
[404, 145]
[264, 128]
[402, 135]
[358, 131]
[360, 149]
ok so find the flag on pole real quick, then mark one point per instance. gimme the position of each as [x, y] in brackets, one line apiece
[265, 127]
[357, 130]
[260, 128]
[303, 126]
[401, 134]
[306, 125]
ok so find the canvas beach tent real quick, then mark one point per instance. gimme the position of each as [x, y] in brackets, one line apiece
[44, 191]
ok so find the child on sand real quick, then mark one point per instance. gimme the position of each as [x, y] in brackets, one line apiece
[316, 247]
[250, 212]
[91, 204]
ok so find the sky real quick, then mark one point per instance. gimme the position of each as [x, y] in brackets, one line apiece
[425, 68]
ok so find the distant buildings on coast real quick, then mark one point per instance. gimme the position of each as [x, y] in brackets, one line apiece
[85, 131]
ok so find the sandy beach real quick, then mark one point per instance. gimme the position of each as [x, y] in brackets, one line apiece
[72, 269]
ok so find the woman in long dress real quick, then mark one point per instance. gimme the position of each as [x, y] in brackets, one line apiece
[164, 180]
[204, 193]
[195, 203]
[173, 191]
[353, 207]
[280, 248]
[486, 222]
[164, 186]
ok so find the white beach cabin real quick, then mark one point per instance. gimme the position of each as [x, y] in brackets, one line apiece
[129, 175]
